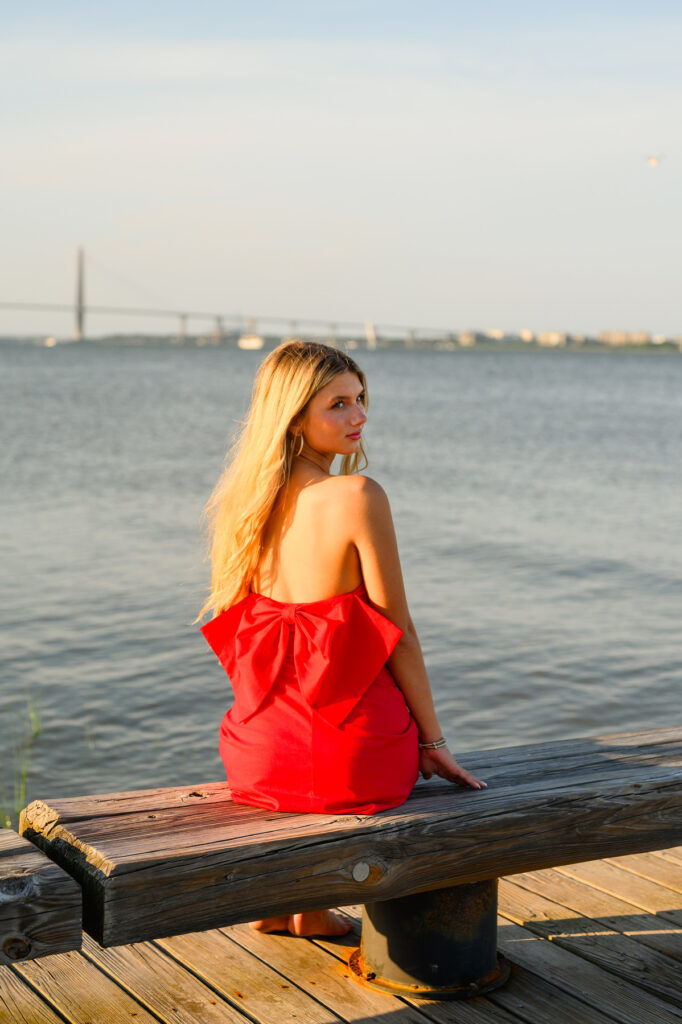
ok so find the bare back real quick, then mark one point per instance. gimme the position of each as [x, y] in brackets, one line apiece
[308, 549]
[328, 534]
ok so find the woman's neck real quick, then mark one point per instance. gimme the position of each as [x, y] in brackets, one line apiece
[321, 460]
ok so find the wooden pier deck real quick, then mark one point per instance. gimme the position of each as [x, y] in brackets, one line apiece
[590, 943]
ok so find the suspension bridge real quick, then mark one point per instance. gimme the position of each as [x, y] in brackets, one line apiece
[218, 325]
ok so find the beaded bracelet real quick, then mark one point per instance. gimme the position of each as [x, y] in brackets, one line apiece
[434, 745]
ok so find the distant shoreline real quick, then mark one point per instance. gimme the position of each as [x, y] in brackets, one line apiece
[382, 344]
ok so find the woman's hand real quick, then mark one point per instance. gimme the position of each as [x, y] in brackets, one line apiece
[441, 762]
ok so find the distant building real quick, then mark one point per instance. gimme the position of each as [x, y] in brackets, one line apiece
[526, 335]
[624, 337]
[550, 339]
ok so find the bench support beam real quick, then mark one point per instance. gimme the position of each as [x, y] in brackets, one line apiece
[440, 944]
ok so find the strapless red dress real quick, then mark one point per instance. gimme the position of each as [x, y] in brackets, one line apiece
[318, 722]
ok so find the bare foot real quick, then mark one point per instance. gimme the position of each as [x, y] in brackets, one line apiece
[312, 922]
[320, 922]
[271, 924]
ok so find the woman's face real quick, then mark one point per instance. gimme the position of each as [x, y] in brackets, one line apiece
[335, 416]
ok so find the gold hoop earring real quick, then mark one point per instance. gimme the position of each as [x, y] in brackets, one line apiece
[300, 444]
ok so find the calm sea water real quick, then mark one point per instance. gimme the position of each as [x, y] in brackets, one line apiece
[537, 498]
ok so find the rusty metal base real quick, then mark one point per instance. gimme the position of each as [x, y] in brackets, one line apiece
[475, 988]
[440, 944]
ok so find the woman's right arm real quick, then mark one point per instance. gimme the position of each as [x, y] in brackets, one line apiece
[374, 537]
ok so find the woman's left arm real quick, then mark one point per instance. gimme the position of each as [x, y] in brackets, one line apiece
[407, 667]
[371, 525]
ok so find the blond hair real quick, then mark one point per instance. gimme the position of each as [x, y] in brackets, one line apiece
[259, 462]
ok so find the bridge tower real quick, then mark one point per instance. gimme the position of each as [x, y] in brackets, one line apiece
[79, 329]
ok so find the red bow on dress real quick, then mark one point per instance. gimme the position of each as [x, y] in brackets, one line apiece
[339, 648]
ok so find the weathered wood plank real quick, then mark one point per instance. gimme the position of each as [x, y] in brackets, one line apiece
[614, 914]
[81, 993]
[161, 984]
[537, 1001]
[19, 1004]
[325, 977]
[674, 854]
[40, 904]
[150, 833]
[556, 761]
[612, 996]
[614, 952]
[555, 756]
[656, 869]
[211, 863]
[632, 888]
[245, 981]
[139, 800]
[153, 833]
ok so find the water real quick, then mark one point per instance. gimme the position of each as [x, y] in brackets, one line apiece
[537, 499]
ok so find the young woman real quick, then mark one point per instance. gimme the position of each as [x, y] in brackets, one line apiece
[333, 710]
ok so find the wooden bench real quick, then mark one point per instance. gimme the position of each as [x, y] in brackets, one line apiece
[155, 863]
[40, 905]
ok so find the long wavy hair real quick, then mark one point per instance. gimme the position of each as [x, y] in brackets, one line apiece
[259, 463]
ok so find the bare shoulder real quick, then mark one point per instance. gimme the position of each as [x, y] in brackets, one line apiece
[353, 496]
[359, 498]
[359, 490]
[358, 483]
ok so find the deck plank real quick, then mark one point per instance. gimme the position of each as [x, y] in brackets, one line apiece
[19, 1004]
[633, 888]
[674, 854]
[244, 980]
[326, 976]
[537, 1001]
[656, 869]
[614, 952]
[601, 908]
[81, 993]
[586, 981]
[182, 998]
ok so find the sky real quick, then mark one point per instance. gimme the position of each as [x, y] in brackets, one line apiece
[427, 164]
